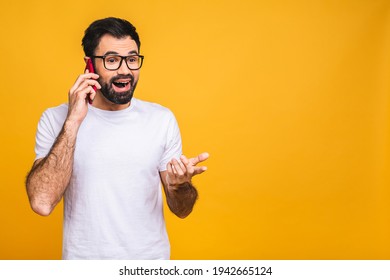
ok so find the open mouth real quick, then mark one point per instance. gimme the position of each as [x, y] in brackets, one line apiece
[120, 84]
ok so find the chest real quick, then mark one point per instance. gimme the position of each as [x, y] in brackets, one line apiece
[119, 146]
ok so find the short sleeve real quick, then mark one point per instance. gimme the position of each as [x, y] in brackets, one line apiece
[173, 146]
[43, 139]
[49, 126]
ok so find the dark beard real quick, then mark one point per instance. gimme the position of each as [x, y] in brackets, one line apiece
[118, 98]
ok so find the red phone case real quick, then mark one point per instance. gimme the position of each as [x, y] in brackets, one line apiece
[89, 66]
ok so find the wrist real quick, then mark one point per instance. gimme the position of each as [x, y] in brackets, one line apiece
[71, 128]
[73, 122]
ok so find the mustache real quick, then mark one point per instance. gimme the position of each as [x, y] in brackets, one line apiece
[120, 76]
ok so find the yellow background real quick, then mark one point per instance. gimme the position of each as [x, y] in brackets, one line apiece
[290, 98]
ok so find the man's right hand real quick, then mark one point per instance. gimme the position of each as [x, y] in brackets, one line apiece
[79, 94]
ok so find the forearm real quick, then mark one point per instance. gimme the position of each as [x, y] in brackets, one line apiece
[181, 199]
[48, 179]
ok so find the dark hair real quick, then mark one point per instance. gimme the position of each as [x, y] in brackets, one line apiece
[116, 27]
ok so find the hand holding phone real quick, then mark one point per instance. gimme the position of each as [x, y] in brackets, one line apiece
[89, 67]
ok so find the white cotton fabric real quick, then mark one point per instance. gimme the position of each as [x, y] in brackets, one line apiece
[113, 206]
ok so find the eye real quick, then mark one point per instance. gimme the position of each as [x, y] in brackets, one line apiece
[132, 59]
[112, 59]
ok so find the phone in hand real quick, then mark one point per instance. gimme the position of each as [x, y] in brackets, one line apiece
[90, 68]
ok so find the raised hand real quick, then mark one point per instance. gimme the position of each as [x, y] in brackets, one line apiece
[180, 172]
[78, 96]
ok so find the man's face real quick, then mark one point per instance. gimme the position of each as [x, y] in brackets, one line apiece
[117, 85]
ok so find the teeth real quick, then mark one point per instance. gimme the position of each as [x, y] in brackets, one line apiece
[121, 84]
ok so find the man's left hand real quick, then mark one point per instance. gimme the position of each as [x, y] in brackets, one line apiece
[181, 171]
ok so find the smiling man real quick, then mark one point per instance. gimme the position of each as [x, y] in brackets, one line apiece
[108, 158]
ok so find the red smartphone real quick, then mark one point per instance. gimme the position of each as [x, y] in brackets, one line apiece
[90, 68]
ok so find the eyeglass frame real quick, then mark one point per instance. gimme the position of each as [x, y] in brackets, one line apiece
[120, 63]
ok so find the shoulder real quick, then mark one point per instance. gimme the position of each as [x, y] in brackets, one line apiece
[55, 114]
[57, 111]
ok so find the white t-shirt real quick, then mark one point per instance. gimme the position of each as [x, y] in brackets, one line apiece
[113, 206]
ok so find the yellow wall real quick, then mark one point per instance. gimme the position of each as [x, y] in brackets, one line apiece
[290, 98]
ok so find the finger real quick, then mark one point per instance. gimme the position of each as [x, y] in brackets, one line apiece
[170, 170]
[88, 90]
[89, 76]
[184, 159]
[199, 158]
[82, 78]
[179, 167]
[172, 173]
[87, 87]
[181, 163]
[82, 94]
[92, 95]
[90, 82]
[170, 178]
[188, 164]
[199, 170]
[96, 84]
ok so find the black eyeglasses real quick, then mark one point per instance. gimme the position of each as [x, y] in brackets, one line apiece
[114, 62]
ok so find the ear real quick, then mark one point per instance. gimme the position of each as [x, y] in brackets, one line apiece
[86, 58]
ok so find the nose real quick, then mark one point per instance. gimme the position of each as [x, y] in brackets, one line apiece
[123, 69]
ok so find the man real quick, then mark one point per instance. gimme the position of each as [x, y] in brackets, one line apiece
[107, 159]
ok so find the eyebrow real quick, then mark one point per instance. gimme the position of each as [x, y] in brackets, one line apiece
[112, 52]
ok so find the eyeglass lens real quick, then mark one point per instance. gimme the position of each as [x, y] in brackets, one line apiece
[113, 62]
